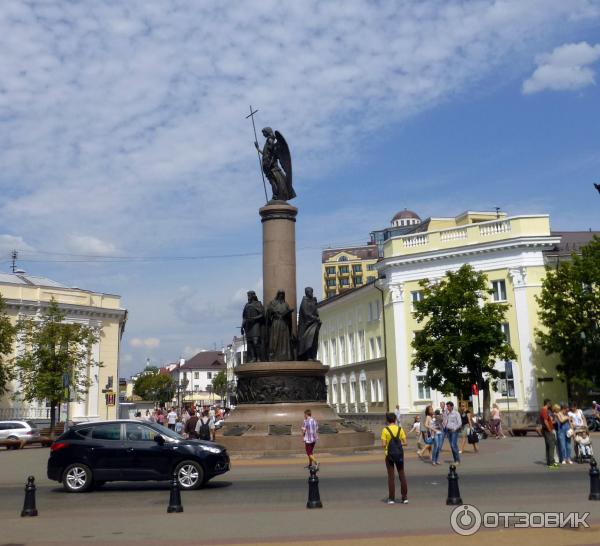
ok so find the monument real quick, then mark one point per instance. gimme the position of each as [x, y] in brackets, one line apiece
[282, 376]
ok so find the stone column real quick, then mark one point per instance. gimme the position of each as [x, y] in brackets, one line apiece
[279, 253]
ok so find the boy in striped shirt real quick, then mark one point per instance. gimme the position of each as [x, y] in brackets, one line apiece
[310, 429]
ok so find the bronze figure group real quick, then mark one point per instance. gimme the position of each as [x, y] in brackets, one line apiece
[269, 335]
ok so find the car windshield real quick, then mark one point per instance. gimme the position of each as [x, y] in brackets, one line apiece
[167, 432]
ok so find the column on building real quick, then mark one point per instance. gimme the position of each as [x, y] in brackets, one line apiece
[402, 364]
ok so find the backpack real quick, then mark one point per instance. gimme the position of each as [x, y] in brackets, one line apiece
[204, 429]
[395, 450]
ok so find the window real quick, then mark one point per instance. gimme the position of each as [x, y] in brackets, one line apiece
[343, 259]
[334, 392]
[342, 350]
[358, 279]
[344, 270]
[506, 331]
[357, 268]
[196, 375]
[83, 432]
[333, 353]
[374, 310]
[372, 347]
[352, 391]
[208, 375]
[379, 348]
[361, 346]
[330, 282]
[139, 433]
[371, 267]
[330, 270]
[196, 388]
[363, 390]
[371, 279]
[423, 392]
[344, 282]
[380, 390]
[343, 392]
[350, 348]
[508, 376]
[499, 290]
[330, 294]
[373, 391]
[415, 296]
[110, 431]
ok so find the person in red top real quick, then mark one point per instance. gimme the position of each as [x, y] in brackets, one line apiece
[547, 422]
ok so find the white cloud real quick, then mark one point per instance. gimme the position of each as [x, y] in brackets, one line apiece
[127, 358]
[189, 351]
[8, 243]
[565, 69]
[87, 244]
[148, 342]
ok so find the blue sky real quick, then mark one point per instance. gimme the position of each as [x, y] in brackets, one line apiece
[123, 134]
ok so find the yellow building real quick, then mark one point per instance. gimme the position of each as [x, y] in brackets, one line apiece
[510, 250]
[346, 268]
[351, 343]
[28, 296]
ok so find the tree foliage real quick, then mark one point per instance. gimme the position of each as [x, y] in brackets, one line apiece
[51, 350]
[570, 312]
[154, 386]
[461, 339]
[219, 384]
[7, 338]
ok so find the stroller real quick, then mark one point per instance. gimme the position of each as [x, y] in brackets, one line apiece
[479, 429]
[582, 442]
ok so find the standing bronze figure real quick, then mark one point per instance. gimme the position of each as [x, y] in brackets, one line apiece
[309, 325]
[253, 325]
[279, 323]
[277, 164]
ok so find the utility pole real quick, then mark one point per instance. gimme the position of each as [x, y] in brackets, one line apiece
[14, 255]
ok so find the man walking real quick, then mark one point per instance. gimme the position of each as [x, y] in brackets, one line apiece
[172, 419]
[547, 422]
[190, 425]
[452, 426]
[310, 429]
[393, 440]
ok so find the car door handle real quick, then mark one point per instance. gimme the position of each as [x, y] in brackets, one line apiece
[130, 449]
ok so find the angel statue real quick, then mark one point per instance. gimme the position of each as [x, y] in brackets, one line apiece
[277, 164]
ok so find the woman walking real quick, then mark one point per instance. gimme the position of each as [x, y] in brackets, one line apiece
[496, 422]
[426, 434]
[563, 424]
[467, 431]
[437, 429]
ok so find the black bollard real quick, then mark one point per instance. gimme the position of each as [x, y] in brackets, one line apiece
[314, 498]
[175, 497]
[29, 509]
[594, 480]
[453, 492]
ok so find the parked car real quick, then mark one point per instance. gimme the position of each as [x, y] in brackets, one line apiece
[23, 431]
[91, 454]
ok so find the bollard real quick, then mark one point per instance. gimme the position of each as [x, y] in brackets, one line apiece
[29, 509]
[453, 492]
[175, 497]
[314, 498]
[594, 480]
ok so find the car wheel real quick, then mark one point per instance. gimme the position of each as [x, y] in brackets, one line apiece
[190, 475]
[77, 478]
[13, 439]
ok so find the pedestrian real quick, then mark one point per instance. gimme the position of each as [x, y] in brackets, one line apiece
[547, 423]
[172, 419]
[496, 422]
[203, 429]
[310, 431]
[397, 414]
[160, 417]
[436, 427]
[469, 434]
[426, 433]
[179, 426]
[148, 417]
[190, 425]
[452, 426]
[563, 426]
[577, 417]
[393, 440]
[416, 429]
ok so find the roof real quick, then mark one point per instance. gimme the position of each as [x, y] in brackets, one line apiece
[571, 241]
[205, 360]
[29, 280]
[366, 252]
[404, 214]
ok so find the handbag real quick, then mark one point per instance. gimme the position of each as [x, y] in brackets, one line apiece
[472, 438]
[569, 433]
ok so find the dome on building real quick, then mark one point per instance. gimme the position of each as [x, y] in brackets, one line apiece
[406, 218]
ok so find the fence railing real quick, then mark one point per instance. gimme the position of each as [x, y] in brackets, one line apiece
[23, 414]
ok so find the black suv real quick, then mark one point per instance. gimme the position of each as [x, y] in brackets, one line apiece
[91, 454]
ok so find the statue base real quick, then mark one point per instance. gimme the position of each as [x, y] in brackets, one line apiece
[272, 397]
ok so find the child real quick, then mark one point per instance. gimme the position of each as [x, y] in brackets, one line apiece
[584, 443]
[416, 428]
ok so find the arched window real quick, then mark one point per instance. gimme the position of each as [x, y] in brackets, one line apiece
[343, 259]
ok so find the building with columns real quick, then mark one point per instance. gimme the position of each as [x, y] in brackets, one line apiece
[28, 296]
[511, 251]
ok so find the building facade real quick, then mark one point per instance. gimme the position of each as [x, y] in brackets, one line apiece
[402, 223]
[346, 268]
[511, 251]
[29, 296]
[193, 378]
[351, 343]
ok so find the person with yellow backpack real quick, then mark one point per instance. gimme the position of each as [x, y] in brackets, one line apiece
[393, 441]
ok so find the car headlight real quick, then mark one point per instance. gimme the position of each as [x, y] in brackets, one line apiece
[210, 449]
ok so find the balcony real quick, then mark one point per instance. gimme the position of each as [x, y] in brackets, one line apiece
[470, 234]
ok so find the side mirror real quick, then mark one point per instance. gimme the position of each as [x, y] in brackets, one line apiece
[159, 440]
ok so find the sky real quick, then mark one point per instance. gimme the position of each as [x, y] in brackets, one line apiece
[127, 164]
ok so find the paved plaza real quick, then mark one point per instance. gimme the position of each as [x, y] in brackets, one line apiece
[262, 501]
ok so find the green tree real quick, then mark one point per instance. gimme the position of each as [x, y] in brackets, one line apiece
[154, 386]
[219, 384]
[7, 338]
[461, 339]
[52, 351]
[569, 309]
